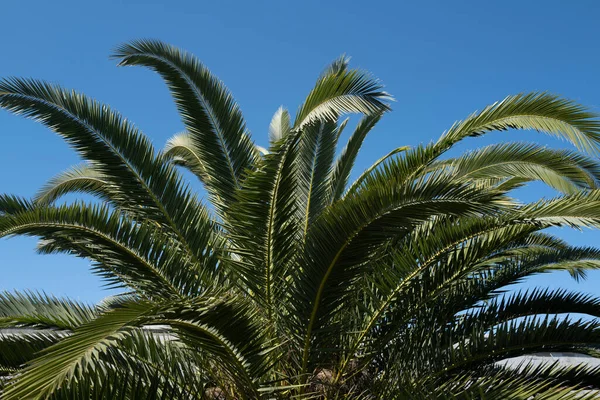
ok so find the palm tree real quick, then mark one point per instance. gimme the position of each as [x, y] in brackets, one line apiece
[296, 282]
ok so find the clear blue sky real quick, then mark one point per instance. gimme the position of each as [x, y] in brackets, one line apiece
[440, 59]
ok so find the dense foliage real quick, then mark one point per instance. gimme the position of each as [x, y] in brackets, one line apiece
[297, 282]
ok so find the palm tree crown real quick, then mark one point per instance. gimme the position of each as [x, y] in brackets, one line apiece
[297, 282]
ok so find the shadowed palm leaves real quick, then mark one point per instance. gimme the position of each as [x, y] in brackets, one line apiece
[298, 282]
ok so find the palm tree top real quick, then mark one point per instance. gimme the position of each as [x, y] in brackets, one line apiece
[296, 281]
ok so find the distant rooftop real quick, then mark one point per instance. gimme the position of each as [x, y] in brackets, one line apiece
[562, 359]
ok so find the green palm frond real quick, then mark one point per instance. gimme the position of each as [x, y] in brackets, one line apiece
[345, 162]
[20, 346]
[566, 171]
[315, 160]
[117, 149]
[342, 91]
[210, 114]
[344, 239]
[182, 150]
[527, 303]
[10, 204]
[39, 310]
[136, 255]
[141, 365]
[337, 66]
[545, 382]
[358, 182]
[265, 221]
[542, 112]
[95, 131]
[78, 179]
[230, 331]
[63, 361]
[576, 376]
[515, 338]
[577, 210]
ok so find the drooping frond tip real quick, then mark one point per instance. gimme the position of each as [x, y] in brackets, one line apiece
[539, 111]
[340, 90]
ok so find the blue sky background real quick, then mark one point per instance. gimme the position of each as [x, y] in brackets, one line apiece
[441, 60]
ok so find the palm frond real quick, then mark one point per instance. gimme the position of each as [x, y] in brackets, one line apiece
[142, 365]
[343, 240]
[539, 111]
[20, 346]
[78, 179]
[63, 361]
[398, 286]
[125, 252]
[341, 91]
[280, 125]
[358, 182]
[182, 150]
[566, 171]
[10, 204]
[39, 310]
[520, 337]
[343, 166]
[527, 303]
[316, 153]
[230, 330]
[117, 149]
[210, 114]
[264, 221]
[542, 112]
[337, 66]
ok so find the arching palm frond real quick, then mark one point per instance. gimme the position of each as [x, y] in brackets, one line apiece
[81, 178]
[64, 360]
[182, 150]
[565, 171]
[211, 116]
[339, 91]
[344, 164]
